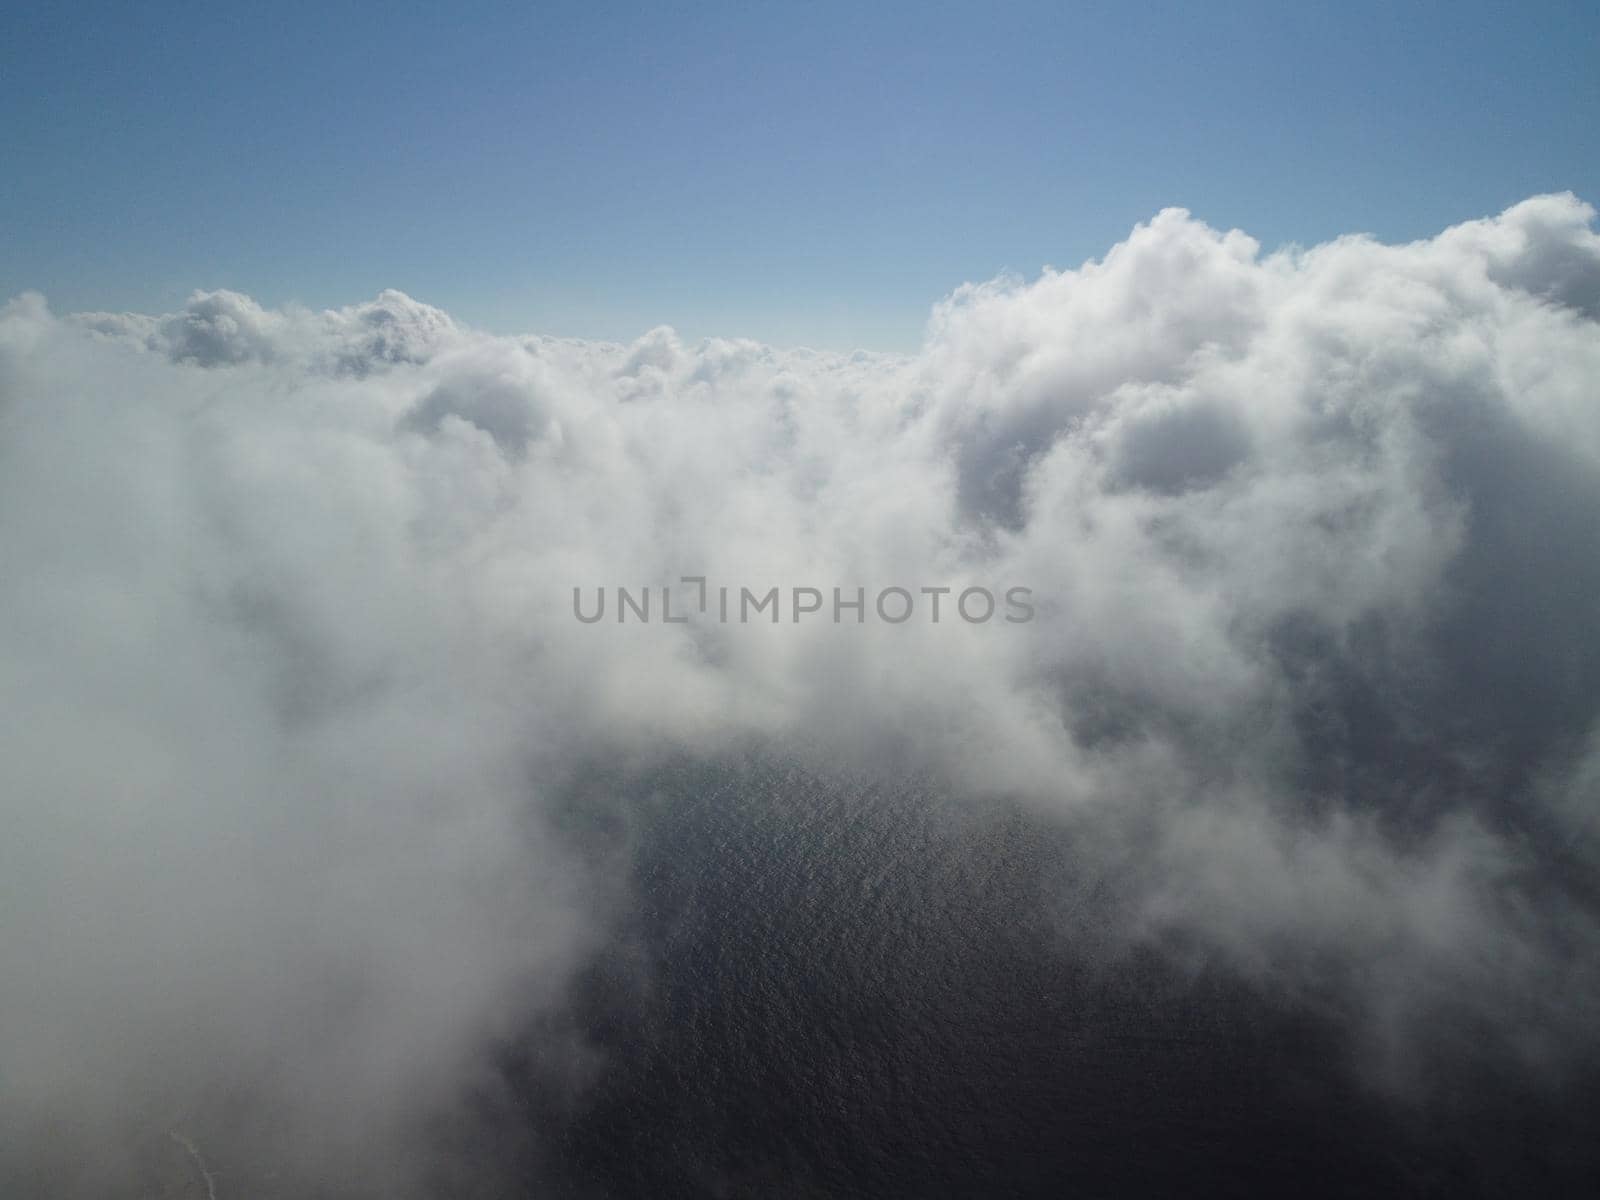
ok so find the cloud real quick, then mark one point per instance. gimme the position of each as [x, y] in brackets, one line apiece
[295, 682]
[226, 328]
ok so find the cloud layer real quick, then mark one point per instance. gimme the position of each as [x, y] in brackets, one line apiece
[292, 672]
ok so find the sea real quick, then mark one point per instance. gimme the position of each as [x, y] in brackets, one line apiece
[815, 984]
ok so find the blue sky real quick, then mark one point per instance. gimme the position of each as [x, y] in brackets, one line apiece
[816, 173]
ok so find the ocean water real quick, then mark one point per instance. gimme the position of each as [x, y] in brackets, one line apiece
[816, 987]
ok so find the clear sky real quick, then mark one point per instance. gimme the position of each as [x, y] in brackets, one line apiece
[802, 173]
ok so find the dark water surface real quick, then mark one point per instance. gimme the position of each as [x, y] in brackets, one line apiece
[839, 989]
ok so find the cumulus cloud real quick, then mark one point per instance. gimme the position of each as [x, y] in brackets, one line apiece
[293, 671]
[222, 327]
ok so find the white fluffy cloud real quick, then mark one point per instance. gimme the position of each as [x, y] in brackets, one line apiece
[290, 663]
